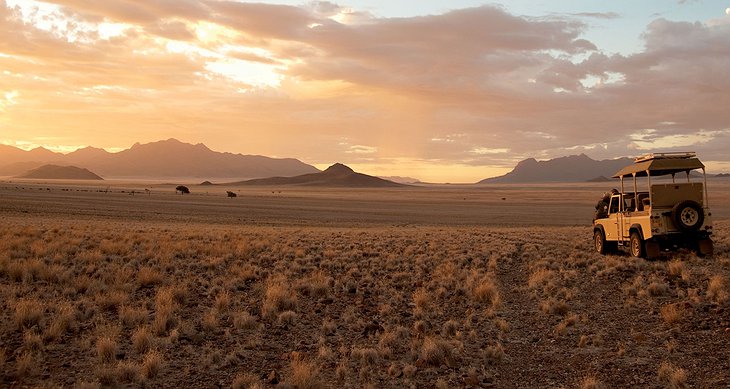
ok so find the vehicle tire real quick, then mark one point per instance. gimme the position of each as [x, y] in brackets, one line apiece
[636, 245]
[599, 242]
[688, 216]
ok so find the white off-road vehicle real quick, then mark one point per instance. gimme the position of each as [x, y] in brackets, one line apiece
[668, 215]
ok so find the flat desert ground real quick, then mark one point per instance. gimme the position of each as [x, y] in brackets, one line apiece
[498, 286]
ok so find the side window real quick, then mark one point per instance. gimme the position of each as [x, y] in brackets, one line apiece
[613, 207]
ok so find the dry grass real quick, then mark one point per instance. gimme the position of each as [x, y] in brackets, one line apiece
[672, 313]
[28, 313]
[672, 377]
[304, 375]
[106, 349]
[590, 382]
[717, 289]
[151, 364]
[364, 307]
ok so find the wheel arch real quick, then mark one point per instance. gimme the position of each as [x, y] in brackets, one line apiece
[637, 228]
[599, 227]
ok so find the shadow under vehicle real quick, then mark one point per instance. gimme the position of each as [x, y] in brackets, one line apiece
[668, 215]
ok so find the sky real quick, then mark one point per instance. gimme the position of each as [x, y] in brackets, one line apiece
[443, 91]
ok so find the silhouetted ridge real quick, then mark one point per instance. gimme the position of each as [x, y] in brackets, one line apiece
[337, 175]
[574, 168]
[55, 172]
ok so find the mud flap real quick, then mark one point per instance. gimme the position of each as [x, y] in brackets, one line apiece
[705, 248]
[652, 249]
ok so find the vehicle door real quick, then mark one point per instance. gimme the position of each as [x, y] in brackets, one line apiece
[627, 215]
[615, 216]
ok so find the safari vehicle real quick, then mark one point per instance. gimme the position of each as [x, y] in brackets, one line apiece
[666, 216]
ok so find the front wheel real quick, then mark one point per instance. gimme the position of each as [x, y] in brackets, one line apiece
[599, 242]
[636, 245]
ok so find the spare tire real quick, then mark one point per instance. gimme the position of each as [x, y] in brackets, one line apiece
[688, 216]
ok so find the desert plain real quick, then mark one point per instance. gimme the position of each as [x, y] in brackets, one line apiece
[497, 286]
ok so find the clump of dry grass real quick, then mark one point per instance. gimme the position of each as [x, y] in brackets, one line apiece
[305, 375]
[28, 313]
[25, 365]
[164, 308]
[147, 276]
[245, 381]
[716, 289]
[106, 349]
[316, 285]
[244, 321]
[676, 269]
[127, 371]
[287, 317]
[657, 288]
[672, 377]
[62, 321]
[278, 297]
[554, 306]
[132, 317]
[485, 291]
[32, 342]
[151, 364]
[591, 382]
[494, 354]
[672, 313]
[222, 301]
[141, 339]
[437, 352]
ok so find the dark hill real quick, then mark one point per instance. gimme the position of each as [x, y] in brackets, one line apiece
[574, 168]
[337, 175]
[55, 172]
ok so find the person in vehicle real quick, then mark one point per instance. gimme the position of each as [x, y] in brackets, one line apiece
[602, 205]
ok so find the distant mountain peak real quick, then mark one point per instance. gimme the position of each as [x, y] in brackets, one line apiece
[339, 168]
[572, 168]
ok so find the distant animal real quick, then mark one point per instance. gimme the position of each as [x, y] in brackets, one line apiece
[182, 189]
[230, 194]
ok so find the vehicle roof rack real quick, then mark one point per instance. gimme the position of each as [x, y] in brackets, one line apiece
[669, 155]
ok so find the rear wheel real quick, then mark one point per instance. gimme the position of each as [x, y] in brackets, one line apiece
[636, 245]
[688, 216]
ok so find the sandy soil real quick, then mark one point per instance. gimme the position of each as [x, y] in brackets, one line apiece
[429, 287]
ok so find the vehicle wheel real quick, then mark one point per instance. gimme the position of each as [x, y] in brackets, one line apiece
[636, 245]
[599, 242]
[688, 216]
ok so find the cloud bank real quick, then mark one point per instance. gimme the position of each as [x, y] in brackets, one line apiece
[475, 88]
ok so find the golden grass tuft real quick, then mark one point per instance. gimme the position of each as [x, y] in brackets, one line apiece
[141, 340]
[151, 364]
[717, 289]
[127, 371]
[147, 276]
[278, 297]
[672, 313]
[672, 377]
[28, 313]
[436, 352]
[486, 291]
[245, 381]
[106, 349]
[590, 382]
[305, 375]
[244, 321]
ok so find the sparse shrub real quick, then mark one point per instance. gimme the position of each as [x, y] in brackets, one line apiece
[61, 322]
[316, 285]
[554, 306]
[421, 299]
[448, 330]
[368, 356]
[409, 371]
[676, 269]
[25, 365]
[28, 313]
[32, 342]
[210, 320]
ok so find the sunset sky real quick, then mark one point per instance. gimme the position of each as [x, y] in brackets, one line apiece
[438, 90]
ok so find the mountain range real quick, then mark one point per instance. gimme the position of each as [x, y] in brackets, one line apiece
[574, 168]
[163, 159]
[337, 175]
